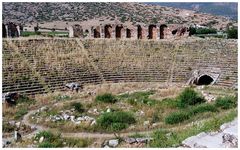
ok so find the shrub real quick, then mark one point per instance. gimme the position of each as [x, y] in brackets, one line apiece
[50, 140]
[78, 107]
[206, 31]
[106, 98]
[226, 102]
[203, 108]
[160, 139]
[232, 33]
[115, 121]
[189, 97]
[176, 117]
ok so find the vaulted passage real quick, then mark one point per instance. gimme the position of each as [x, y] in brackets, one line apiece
[96, 32]
[162, 33]
[152, 32]
[139, 32]
[107, 31]
[128, 33]
[205, 80]
[119, 31]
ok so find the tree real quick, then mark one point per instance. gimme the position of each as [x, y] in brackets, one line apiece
[192, 31]
[232, 33]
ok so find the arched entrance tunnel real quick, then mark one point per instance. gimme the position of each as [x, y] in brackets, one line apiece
[119, 31]
[96, 32]
[204, 80]
[152, 32]
[107, 31]
[128, 33]
[139, 32]
[162, 31]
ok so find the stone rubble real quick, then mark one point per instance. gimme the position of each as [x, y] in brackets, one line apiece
[227, 137]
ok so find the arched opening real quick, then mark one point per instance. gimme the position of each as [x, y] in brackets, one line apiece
[96, 32]
[4, 32]
[162, 31]
[139, 32]
[174, 32]
[152, 32]
[204, 80]
[77, 31]
[118, 31]
[129, 33]
[107, 31]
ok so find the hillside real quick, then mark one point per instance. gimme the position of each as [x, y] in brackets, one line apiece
[134, 13]
[222, 9]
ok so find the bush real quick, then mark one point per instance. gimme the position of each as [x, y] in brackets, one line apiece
[232, 33]
[160, 139]
[206, 31]
[189, 97]
[106, 98]
[226, 102]
[25, 99]
[78, 107]
[50, 140]
[176, 117]
[115, 121]
[203, 108]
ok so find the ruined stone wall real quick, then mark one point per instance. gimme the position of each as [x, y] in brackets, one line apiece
[43, 65]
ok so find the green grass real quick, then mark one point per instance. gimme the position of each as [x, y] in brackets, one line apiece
[115, 121]
[187, 113]
[226, 102]
[138, 98]
[202, 108]
[177, 117]
[20, 113]
[177, 136]
[106, 98]
[50, 140]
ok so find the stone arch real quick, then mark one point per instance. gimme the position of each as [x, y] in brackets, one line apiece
[139, 32]
[108, 31]
[96, 32]
[118, 31]
[152, 32]
[204, 80]
[128, 33]
[162, 31]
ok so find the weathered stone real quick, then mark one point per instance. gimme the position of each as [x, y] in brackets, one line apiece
[93, 123]
[130, 140]
[17, 136]
[41, 139]
[141, 140]
[108, 110]
[18, 124]
[113, 143]
[146, 123]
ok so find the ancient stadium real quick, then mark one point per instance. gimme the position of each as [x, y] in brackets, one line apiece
[119, 86]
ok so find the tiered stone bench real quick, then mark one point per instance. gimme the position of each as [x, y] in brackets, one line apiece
[34, 66]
